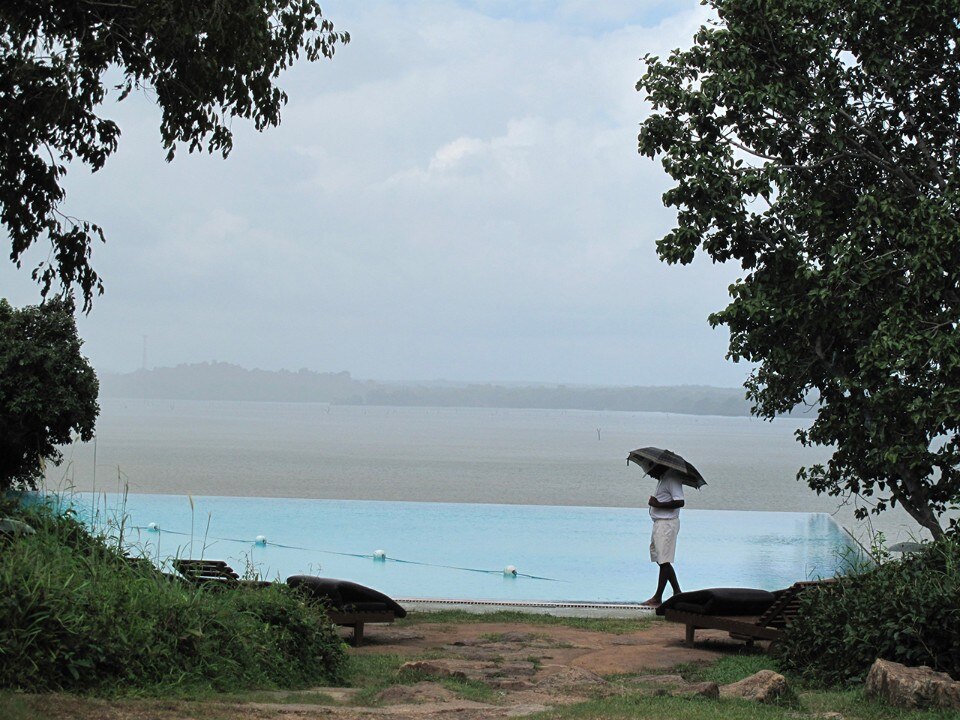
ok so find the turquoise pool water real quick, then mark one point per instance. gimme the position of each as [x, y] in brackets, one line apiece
[460, 551]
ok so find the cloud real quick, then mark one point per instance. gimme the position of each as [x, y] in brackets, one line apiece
[452, 154]
[456, 194]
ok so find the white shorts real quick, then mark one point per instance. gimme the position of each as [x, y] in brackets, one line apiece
[663, 540]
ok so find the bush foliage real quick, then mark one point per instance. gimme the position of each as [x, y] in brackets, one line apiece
[48, 390]
[907, 611]
[76, 615]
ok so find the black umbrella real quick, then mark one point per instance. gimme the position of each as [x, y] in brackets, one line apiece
[649, 457]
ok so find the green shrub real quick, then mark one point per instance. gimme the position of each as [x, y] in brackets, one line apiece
[75, 615]
[907, 611]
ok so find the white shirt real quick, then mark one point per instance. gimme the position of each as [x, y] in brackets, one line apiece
[669, 488]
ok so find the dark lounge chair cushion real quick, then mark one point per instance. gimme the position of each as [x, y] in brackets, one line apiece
[345, 595]
[720, 601]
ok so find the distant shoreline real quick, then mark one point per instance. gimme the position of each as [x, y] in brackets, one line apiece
[227, 382]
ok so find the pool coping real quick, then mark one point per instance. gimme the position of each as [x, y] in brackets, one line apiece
[557, 609]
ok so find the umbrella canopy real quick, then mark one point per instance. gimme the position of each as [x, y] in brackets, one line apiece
[649, 457]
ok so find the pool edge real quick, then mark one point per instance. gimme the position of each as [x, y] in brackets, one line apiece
[557, 609]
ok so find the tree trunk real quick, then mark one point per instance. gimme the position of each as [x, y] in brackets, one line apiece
[926, 518]
[919, 510]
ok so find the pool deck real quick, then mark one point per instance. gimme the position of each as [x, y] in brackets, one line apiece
[557, 609]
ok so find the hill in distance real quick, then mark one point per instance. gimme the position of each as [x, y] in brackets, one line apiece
[225, 381]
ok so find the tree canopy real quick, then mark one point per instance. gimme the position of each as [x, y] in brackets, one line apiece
[204, 63]
[816, 142]
[48, 391]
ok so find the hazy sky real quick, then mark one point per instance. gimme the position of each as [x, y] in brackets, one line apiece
[456, 195]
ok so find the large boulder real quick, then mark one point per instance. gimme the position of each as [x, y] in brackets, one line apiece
[705, 689]
[912, 687]
[765, 686]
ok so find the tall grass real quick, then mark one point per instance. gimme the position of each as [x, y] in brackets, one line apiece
[76, 614]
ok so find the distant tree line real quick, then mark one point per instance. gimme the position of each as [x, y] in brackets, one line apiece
[224, 381]
[688, 400]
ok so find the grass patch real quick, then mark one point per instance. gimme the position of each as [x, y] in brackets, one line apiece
[851, 705]
[76, 615]
[803, 703]
[371, 674]
[472, 690]
[15, 707]
[665, 708]
[614, 626]
[729, 669]
[279, 697]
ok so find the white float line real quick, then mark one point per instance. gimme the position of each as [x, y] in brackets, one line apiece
[378, 555]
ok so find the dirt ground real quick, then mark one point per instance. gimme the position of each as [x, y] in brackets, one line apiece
[528, 667]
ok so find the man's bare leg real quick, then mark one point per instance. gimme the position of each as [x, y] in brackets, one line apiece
[667, 575]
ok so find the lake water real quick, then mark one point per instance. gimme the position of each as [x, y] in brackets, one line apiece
[450, 455]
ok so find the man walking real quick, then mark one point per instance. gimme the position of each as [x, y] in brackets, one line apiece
[665, 506]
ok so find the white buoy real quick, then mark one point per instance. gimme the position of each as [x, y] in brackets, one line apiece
[510, 570]
[379, 555]
[153, 527]
[261, 540]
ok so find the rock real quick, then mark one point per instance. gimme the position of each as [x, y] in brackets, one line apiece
[765, 686]
[469, 669]
[519, 637]
[568, 684]
[523, 710]
[509, 641]
[442, 668]
[912, 687]
[675, 685]
[418, 693]
[514, 669]
[703, 689]
[473, 653]
[509, 684]
[572, 678]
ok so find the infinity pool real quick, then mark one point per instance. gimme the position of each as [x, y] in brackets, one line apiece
[460, 551]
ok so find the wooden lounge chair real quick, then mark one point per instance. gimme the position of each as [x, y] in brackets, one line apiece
[213, 574]
[349, 604]
[751, 618]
